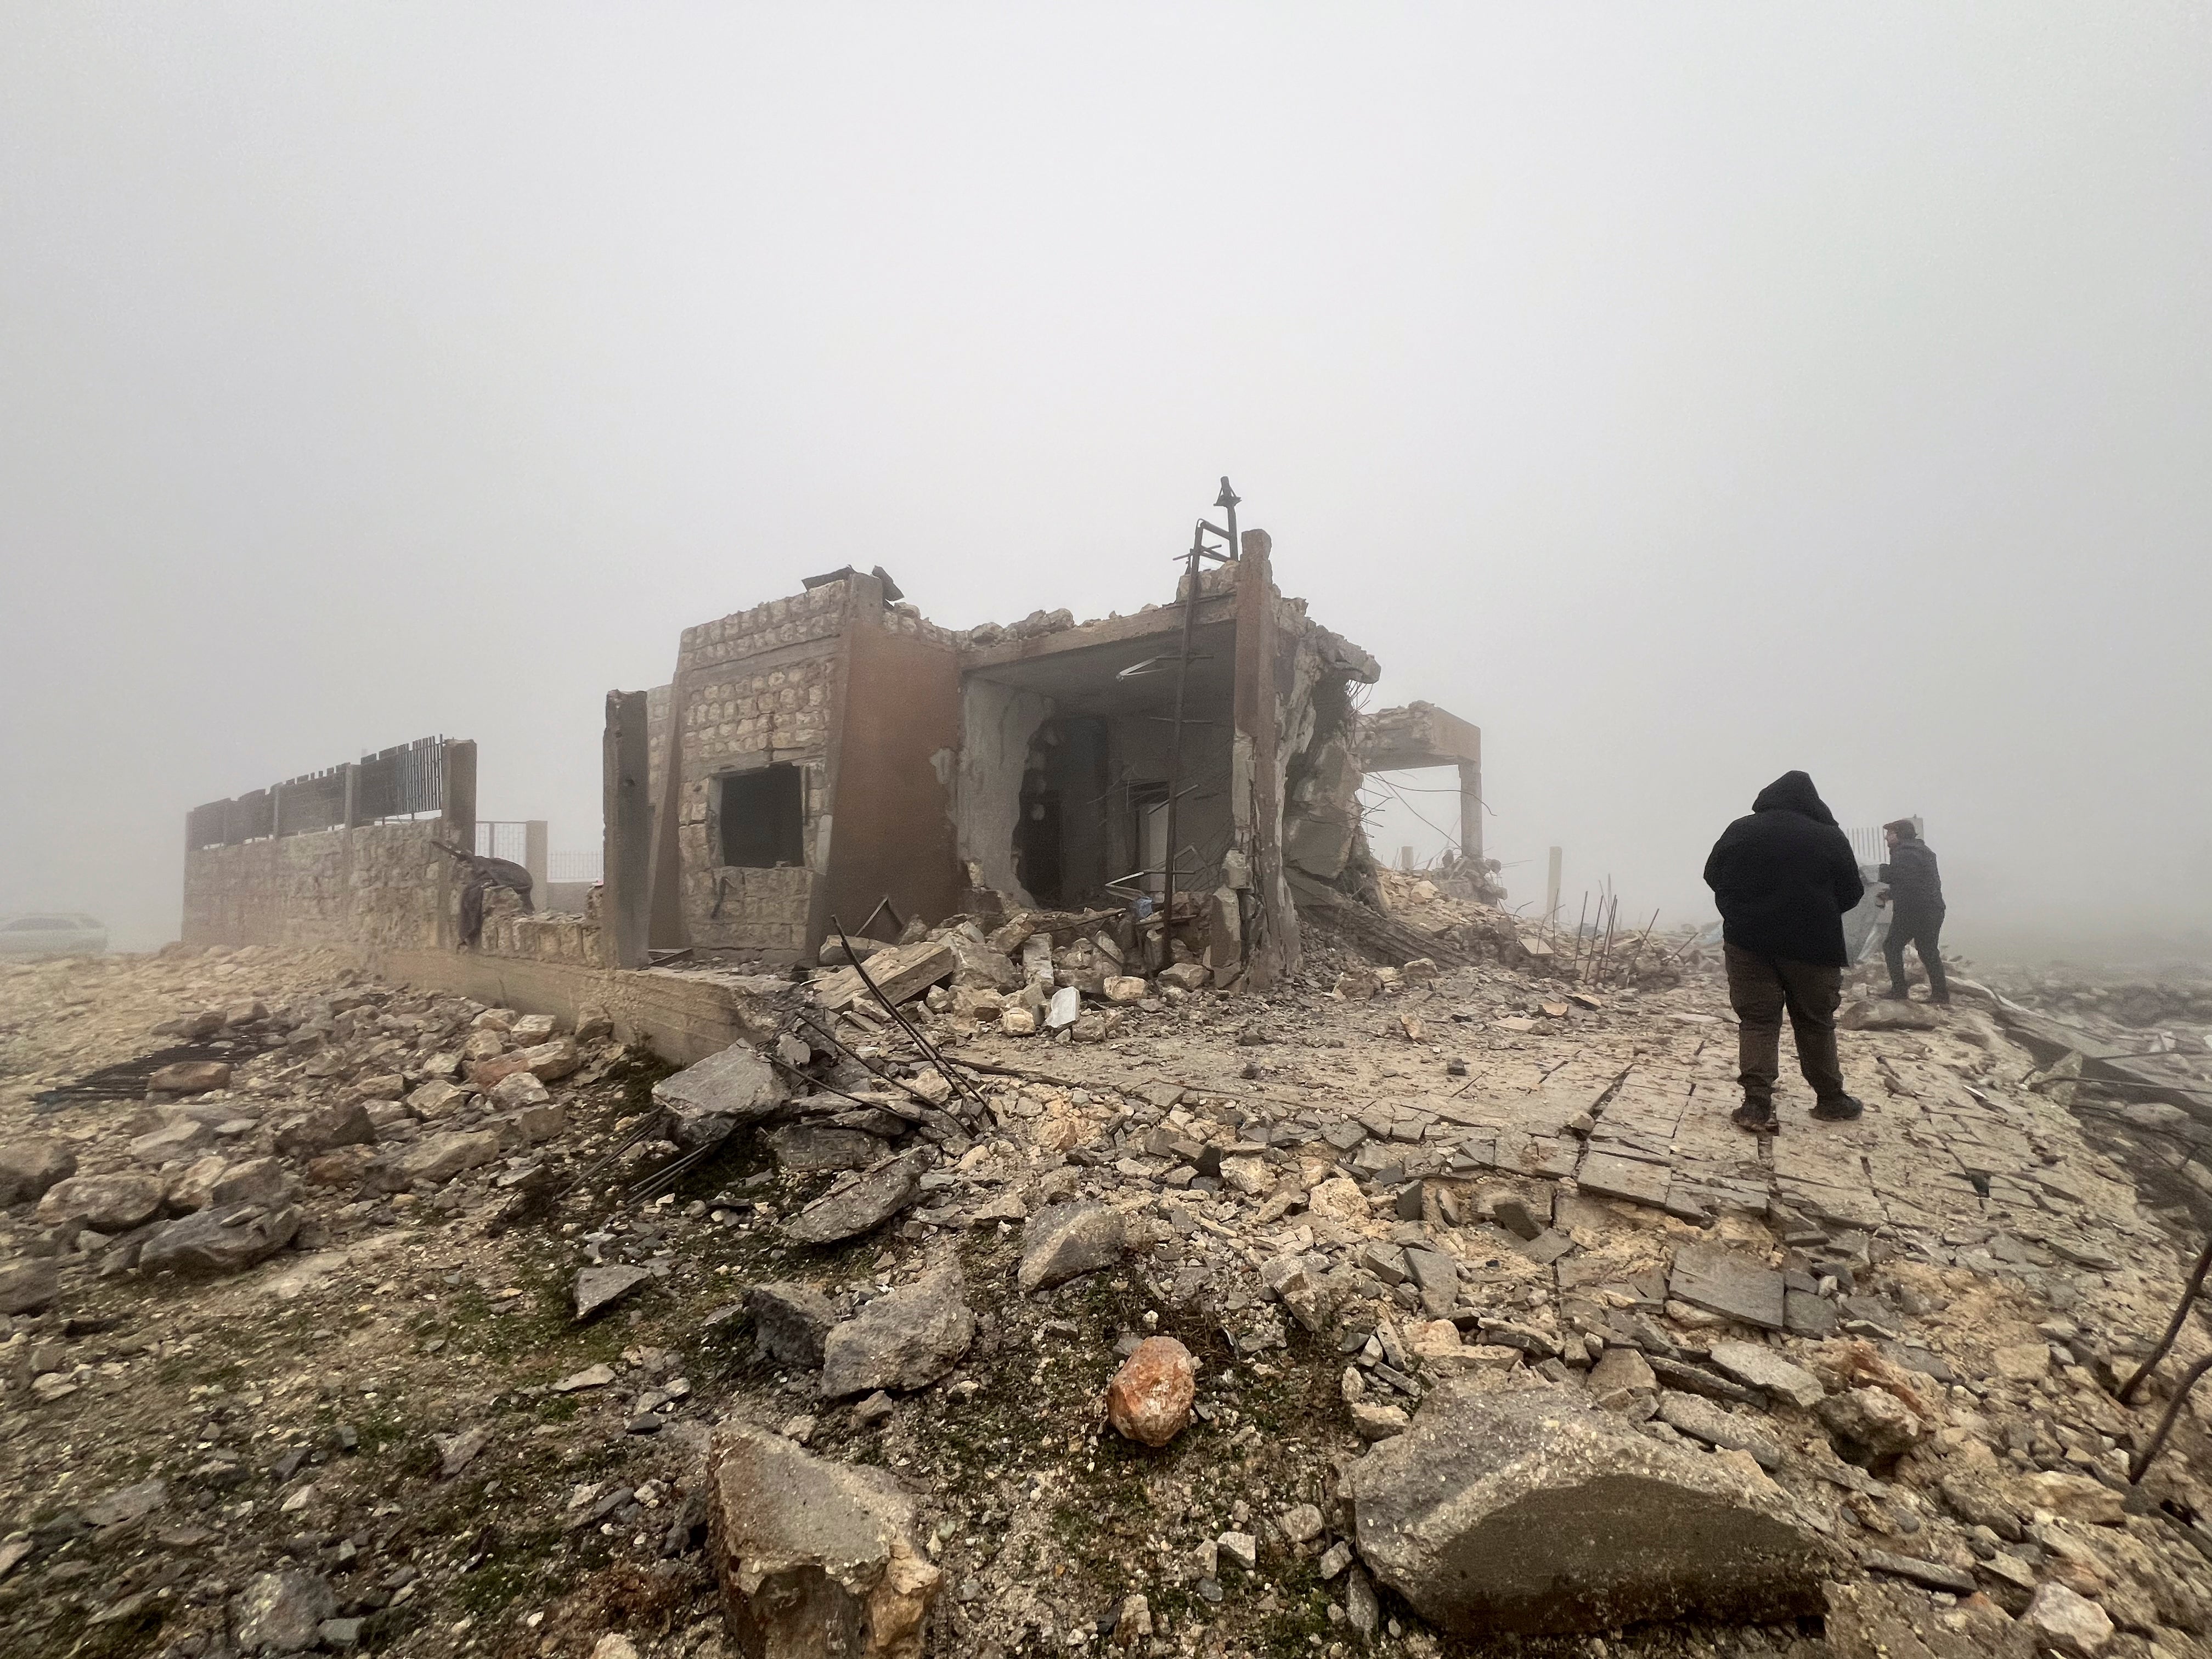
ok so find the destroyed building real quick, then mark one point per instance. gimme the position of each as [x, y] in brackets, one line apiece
[821, 754]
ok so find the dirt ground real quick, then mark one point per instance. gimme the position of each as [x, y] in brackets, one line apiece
[392, 1425]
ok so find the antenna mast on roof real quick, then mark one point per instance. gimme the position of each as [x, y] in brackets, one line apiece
[1227, 502]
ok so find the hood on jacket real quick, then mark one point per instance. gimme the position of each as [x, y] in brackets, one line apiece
[1793, 792]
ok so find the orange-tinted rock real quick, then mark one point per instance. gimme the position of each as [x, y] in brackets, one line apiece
[485, 1074]
[1148, 1399]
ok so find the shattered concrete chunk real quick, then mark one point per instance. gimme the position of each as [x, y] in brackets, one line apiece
[1067, 1240]
[1722, 1282]
[2067, 1621]
[721, 1093]
[597, 1289]
[30, 1165]
[28, 1284]
[215, 1242]
[904, 1339]
[789, 1322]
[1761, 1368]
[815, 1558]
[281, 1612]
[861, 1207]
[1532, 1514]
[810, 1148]
[105, 1203]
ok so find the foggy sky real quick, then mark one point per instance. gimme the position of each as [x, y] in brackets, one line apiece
[1681, 394]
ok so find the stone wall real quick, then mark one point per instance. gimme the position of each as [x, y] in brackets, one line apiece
[754, 689]
[380, 886]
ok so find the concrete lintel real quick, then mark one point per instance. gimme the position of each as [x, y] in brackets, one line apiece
[682, 1018]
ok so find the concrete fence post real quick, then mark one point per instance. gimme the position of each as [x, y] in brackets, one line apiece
[626, 873]
[534, 857]
[1552, 888]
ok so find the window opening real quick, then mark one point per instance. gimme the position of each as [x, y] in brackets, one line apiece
[762, 817]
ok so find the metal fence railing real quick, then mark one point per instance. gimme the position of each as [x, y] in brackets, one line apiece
[576, 865]
[503, 838]
[393, 783]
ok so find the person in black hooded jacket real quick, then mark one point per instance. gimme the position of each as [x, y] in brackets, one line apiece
[1915, 892]
[1783, 878]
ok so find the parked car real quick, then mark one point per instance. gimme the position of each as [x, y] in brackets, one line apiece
[52, 934]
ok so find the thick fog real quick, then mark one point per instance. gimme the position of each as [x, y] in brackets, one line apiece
[1681, 394]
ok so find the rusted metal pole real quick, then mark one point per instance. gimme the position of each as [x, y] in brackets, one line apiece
[1175, 739]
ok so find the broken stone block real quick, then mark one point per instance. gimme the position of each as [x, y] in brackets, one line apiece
[1530, 1513]
[1514, 1212]
[215, 1242]
[1611, 1176]
[719, 1095]
[1149, 1401]
[807, 1148]
[597, 1289]
[180, 1137]
[334, 1123]
[435, 1099]
[1722, 1281]
[1373, 1422]
[1015, 1020]
[901, 973]
[980, 966]
[263, 1180]
[1185, 976]
[1437, 1276]
[1359, 985]
[1124, 988]
[28, 1284]
[815, 1558]
[2074, 1498]
[1701, 1420]
[789, 1322]
[438, 1158]
[1620, 1378]
[1064, 1241]
[105, 1203]
[2068, 1622]
[189, 1077]
[904, 1339]
[31, 1166]
[1249, 1175]
[281, 1612]
[516, 1091]
[1763, 1368]
[861, 1207]
[1873, 1422]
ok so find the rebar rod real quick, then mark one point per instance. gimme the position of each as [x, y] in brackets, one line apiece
[2139, 1465]
[2173, 1326]
[959, 1084]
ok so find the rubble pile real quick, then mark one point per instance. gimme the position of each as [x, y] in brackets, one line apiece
[1043, 1303]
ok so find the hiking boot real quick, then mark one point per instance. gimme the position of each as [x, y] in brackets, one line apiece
[1841, 1110]
[1758, 1118]
[1895, 996]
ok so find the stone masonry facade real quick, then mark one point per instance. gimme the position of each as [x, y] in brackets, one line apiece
[753, 690]
[377, 886]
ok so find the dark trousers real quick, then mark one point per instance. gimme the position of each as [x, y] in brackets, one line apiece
[1759, 989]
[1917, 928]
